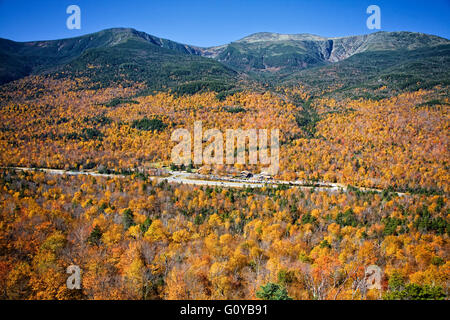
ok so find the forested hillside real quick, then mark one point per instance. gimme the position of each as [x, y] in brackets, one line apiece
[365, 116]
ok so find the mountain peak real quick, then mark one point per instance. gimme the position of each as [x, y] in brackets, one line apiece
[262, 53]
[272, 36]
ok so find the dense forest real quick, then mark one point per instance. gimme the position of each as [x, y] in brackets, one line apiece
[136, 238]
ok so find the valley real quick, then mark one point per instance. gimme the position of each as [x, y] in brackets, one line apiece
[87, 177]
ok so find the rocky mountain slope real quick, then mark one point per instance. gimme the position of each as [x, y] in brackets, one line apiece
[275, 52]
[115, 55]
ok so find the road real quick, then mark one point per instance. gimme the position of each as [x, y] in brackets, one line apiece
[182, 177]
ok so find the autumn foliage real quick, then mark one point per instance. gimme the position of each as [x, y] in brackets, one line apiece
[134, 238]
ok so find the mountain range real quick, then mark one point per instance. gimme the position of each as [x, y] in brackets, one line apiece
[403, 60]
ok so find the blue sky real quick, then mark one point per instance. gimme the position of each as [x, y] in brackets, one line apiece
[214, 22]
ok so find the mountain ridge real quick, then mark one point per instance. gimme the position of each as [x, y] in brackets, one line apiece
[137, 55]
[332, 49]
[263, 56]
